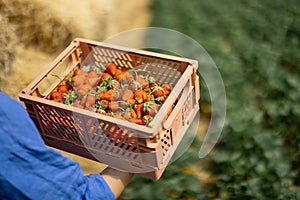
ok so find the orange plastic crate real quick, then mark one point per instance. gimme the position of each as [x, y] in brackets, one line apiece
[145, 150]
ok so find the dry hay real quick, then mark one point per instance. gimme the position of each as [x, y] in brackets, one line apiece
[51, 25]
[36, 26]
[7, 48]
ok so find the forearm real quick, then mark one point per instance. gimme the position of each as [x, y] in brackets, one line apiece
[116, 180]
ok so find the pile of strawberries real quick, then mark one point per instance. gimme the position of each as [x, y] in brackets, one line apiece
[118, 92]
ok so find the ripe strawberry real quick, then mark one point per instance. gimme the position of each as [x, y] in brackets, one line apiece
[111, 131]
[56, 96]
[99, 95]
[118, 74]
[157, 91]
[143, 83]
[131, 101]
[167, 92]
[110, 114]
[140, 96]
[78, 72]
[83, 89]
[118, 116]
[92, 81]
[134, 85]
[133, 113]
[63, 89]
[127, 94]
[153, 84]
[108, 95]
[126, 77]
[90, 100]
[78, 80]
[139, 110]
[77, 103]
[166, 86]
[93, 74]
[136, 121]
[111, 68]
[113, 106]
[111, 94]
[129, 113]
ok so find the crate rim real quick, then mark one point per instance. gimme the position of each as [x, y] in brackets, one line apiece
[135, 50]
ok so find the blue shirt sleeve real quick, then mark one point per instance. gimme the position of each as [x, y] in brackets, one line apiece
[30, 170]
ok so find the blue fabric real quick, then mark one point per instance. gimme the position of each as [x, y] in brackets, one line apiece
[30, 170]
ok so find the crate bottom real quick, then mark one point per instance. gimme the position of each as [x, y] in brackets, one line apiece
[83, 152]
[154, 175]
[69, 147]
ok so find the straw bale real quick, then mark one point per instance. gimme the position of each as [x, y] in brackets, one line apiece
[7, 48]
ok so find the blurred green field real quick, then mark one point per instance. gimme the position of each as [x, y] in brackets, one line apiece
[256, 46]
